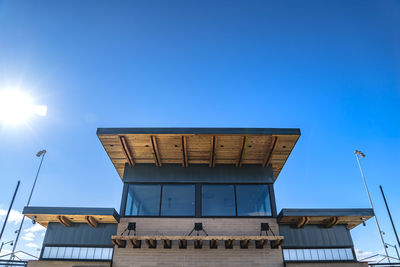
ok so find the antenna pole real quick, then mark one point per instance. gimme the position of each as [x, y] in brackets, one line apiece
[390, 216]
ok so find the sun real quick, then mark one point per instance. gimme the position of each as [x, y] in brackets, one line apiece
[17, 107]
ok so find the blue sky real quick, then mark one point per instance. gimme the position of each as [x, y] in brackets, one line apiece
[330, 68]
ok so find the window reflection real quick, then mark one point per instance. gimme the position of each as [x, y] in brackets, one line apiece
[218, 200]
[178, 200]
[253, 200]
[143, 200]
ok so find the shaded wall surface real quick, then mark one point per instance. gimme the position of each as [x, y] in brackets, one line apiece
[315, 236]
[79, 234]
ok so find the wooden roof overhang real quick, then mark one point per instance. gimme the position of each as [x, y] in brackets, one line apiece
[326, 217]
[182, 241]
[210, 146]
[68, 215]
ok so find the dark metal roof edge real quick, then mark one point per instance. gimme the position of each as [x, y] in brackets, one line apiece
[326, 212]
[72, 211]
[200, 130]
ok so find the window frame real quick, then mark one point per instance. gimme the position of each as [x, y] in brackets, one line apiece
[75, 246]
[198, 200]
[315, 248]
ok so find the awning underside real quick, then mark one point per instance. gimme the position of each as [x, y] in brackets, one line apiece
[236, 148]
[325, 217]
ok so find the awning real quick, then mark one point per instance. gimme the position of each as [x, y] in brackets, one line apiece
[210, 146]
[326, 217]
[69, 215]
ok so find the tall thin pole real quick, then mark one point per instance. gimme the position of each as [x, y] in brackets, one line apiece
[40, 153]
[390, 216]
[9, 209]
[370, 201]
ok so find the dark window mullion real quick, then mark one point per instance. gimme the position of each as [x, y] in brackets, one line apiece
[197, 201]
[159, 212]
[236, 211]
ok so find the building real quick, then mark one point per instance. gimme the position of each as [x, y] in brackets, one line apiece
[197, 197]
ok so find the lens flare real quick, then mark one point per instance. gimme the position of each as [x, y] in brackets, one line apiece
[17, 107]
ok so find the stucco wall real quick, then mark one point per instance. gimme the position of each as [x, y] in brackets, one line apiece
[146, 257]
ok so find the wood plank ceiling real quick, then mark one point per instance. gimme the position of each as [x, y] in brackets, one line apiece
[187, 149]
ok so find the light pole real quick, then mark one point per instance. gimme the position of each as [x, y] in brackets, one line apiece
[359, 153]
[395, 247]
[41, 153]
[5, 243]
[9, 209]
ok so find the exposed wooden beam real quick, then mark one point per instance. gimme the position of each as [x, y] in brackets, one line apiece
[212, 152]
[260, 243]
[185, 161]
[136, 243]
[276, 243]
[213, 243]
[302, 221]
[229, 243]
[240, 154]
[156, 154]
[270, 151]
[167, 243]
[332, 222]
[182, 243]
[151, 243]
[215, 151]
[119, 243]
[126, 151]
[244, 243]
[91, 221]
[198, 243]
[64, 221]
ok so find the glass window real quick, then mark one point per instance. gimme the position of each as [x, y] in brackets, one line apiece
[349, 254]
[307, 254]
[286, 255]
[300, 254]
[105, 254]
[61, 252]
[75, 253]
[335, 254]
[178, 200]
[97, 253]
[321, 254]
[90, 253]
[253, 200]
[46, 252]
[292, 255]
[218, 200]
[83, 253]
[143, 200]
[328, 254]
[314, 254]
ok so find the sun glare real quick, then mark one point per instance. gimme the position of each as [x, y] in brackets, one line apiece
[17, 107]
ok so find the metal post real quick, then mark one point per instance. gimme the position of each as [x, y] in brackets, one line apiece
[5, 243]
[9, 209]
[370, 201]
[40, 153]
[390, 216]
